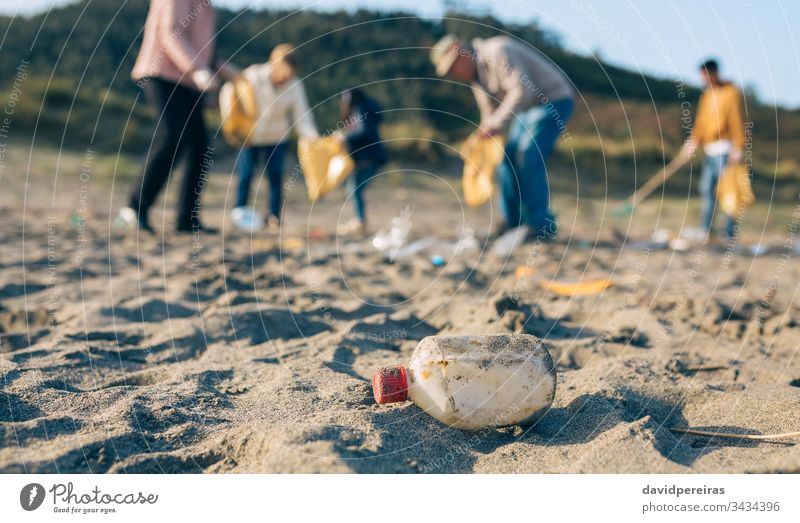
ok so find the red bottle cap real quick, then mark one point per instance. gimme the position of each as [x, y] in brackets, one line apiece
[390, 384]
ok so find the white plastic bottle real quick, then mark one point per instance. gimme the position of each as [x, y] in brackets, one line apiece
[471, 382]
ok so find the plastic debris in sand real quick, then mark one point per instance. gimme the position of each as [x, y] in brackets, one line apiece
[524, 271]
[246, 219]
[391, 241]
[293, 243]
[578, 288]
[680, 244]
[471, 382]
[510, 241]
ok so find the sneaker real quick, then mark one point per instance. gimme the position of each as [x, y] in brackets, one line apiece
[129, 218]
[694, 234]
[273, 223]
[354, 227]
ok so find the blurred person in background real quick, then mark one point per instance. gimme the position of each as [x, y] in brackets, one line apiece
[175, 66]
[522, 94]
[361, 117]
[719, 129]
[282, 106]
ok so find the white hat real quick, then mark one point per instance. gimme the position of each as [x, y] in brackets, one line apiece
[444, 54]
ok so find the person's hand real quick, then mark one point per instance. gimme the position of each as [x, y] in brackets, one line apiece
[205, 80]
[689, 148]
[735, 156]
[484, 132]
[230, 72]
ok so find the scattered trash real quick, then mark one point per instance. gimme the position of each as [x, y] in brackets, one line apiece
[661, 236]
[510, 241]
[391, 241]
[293, 243]
[325, 164]
[481, 157]
[437, 260]
[262, 244]
[413, 248]
[579, 288]
[680, 244]
[466, 242]
[524, 271]
[247, 219]
[319, 233]
[470, 382]
[693, 234]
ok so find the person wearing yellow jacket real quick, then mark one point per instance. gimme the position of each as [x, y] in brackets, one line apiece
[719, 130]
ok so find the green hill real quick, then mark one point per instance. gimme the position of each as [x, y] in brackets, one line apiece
[77, 90]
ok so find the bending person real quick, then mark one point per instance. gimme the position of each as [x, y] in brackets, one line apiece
[520, 92]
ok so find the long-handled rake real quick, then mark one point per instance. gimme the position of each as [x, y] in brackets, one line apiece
[651, 185]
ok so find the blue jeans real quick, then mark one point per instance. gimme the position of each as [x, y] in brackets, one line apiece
[273, 165]
[357, 183]
[522, 176]
[713, 166]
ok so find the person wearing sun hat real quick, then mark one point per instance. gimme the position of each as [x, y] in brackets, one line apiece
[282, 107]
[521, 94]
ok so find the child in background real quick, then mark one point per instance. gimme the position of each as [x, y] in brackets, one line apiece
[361, 117]
[283, 105]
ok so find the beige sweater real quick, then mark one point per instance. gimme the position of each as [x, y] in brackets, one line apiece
[512, 78]
[178, 40]
[282, 109]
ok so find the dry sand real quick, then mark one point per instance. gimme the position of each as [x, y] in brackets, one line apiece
[126, 354]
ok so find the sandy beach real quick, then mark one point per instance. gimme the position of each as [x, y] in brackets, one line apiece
[240, 353]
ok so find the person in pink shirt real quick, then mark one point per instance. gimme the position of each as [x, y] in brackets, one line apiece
[176, 65]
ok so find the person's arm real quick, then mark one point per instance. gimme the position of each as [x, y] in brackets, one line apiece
[510, 68]
[301, 111]
[485, 105]
[511, 105]
[736, 126]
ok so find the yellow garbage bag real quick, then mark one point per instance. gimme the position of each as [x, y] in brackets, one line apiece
[239, 111]
[326, 164]
[734, 192]
[579, 288]
[481, 157]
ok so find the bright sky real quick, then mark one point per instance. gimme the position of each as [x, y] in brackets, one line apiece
[753, 39]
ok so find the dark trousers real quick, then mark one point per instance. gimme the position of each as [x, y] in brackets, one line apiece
[272, 156]
[356, 185]
[180, 132]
